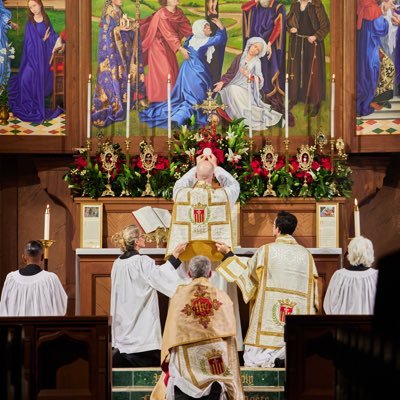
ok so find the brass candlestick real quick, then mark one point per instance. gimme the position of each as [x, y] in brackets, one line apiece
[160, 236]
[127, 145]
[46, 243]
[169, 142]
[251, 142]
[286, 142]
[332, 153]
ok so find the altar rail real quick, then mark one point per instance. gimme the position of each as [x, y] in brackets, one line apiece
[93, 282]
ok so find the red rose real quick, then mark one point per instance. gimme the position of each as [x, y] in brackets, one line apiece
[326, 163]
[81, 163]
[280, 163]
[257, 168]
[315, 165]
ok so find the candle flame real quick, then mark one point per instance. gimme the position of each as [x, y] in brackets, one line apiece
[355, 202]
[90, 77]
[129, 77]
[287, 77]
[48, 209]
[333, 77]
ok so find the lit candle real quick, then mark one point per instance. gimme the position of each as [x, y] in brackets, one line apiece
[46, 235]
[333, 107]
[287, 107]
[128, 105]
[250, 108]
[169, 106]
[89, 102]
[357, 229]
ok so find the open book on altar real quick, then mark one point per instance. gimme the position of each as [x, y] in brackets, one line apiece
[151, 218]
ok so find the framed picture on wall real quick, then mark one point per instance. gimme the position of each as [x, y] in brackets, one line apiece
[91, 225]
[327, 224]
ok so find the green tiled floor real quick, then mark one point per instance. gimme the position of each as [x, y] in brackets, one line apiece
[137, 384]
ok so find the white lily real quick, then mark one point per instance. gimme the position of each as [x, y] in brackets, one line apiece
[232, 157]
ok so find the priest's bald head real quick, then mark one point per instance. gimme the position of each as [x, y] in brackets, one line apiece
[33, 252]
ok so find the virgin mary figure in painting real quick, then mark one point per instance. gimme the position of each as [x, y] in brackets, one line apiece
[28, 89]
[308, 25]
[234, 85]
[119, 54]
[194, 78]
[162, 33]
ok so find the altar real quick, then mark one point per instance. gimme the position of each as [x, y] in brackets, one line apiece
[93, 282]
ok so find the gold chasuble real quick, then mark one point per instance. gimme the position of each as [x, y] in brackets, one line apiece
[201, 329]
[280, 279]
[200, 215]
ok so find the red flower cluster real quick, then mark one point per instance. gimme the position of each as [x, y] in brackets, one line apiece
[210, 140]
[257, 168]
[81, 163]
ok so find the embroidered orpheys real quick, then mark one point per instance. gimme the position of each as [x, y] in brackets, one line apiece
[201, 307]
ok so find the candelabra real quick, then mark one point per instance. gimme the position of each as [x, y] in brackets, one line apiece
[127, 158]
[251, 142]
[169, 142]
[46, 243]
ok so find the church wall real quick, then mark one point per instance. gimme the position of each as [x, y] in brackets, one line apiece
[29, 182]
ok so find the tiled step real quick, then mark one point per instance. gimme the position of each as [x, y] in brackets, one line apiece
[137, 383]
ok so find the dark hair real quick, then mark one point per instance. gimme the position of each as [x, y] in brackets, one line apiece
[286, 222]
[163, 3]
[33, 249]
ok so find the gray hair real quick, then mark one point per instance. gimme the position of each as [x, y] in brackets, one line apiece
[200, 267]
[361, 251]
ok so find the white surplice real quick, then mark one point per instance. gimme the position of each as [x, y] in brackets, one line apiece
[351, 292]
[36, 295]
[134, 307]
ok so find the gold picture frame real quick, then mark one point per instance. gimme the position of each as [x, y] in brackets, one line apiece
[91, 225]
[327, 221]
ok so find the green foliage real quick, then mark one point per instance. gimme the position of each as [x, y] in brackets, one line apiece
[320, 179]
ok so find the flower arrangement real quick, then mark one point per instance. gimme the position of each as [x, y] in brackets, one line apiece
[6, 54]
[257, 176]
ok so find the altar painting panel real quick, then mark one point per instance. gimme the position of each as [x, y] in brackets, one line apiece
[378, 68]
[117, 53]
[32, 68]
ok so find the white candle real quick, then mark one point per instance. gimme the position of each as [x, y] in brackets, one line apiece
[357, 229]
[128, 105]
[287, 107]
[333, 107]
[46, 235]
[250, 108]
[89, 102]
[169, 105]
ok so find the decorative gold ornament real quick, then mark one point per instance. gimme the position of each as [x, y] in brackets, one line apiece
[320, 140]
[149, 160]
[305, 158]
[209, 106]
[108, 158]
[269, 159]
[160, 236]
[340, 148]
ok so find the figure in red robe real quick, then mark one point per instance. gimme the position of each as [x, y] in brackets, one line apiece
[162, 35]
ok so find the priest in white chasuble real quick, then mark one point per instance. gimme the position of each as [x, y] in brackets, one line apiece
[201, 216]
[199, 357]
[280, 279]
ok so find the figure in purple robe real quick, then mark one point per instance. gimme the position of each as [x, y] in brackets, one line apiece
[371, 26]
[28, 89]
[119, 54]
[267, 19]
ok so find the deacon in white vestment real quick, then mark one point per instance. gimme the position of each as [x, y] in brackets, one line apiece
[32, 291]
[224, 198]
[280, 279]
[352, 290]
[135, 279]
